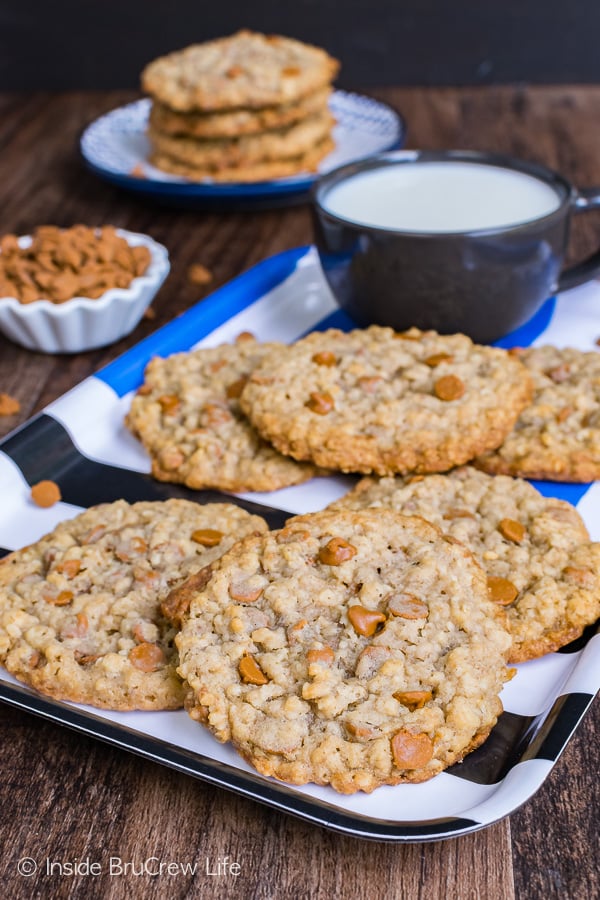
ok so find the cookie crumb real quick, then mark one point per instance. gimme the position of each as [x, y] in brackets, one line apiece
[138, 171]
[199, 275]
[9, 406]
[45, 493]
[150, 314]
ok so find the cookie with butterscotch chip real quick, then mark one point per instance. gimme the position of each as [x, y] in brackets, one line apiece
[188, 417]
[265, 170]
[245, 150]
[353, 649]
[80, 614]
[236, 122]
[246, 70]
[375, 400]
[536, 552]
[557, 436]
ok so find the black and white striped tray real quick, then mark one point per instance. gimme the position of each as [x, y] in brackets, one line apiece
[80, 442]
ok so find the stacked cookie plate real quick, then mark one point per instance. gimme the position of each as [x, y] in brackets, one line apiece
[97, 460]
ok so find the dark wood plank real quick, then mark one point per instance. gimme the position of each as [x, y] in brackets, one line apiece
[66, 796]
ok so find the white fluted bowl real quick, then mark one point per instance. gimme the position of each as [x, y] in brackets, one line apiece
[82, 323]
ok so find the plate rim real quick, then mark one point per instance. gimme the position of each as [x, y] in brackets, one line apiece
[179, 188]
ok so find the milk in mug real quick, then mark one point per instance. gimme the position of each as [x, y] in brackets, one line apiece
[441, 197]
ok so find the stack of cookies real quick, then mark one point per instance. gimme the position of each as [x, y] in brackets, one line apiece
[248, 107]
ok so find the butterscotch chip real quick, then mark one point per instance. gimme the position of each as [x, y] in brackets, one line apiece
[512, 530]
[45, 493]
[502, 590]
[449, 387]
[250, 671]
[246, 70]
[541, 565]
[199, 274]
[411, 751]
[557, 436]
[189, 419]
[399, 424]
[9, 406]
[85, 600]
[323, 706]
[322, 404]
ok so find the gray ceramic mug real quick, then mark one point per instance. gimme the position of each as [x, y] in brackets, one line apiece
[482, 281]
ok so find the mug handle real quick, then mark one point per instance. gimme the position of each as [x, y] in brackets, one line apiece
[587, 198]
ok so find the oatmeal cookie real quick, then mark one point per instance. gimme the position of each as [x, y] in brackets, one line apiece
[268, 146]
[374, 400]
[238, 121]
[535, 550]
[260, 171]
[350, 648]
[80, 612]
[557, 437]
[188, 417]
[246, 70]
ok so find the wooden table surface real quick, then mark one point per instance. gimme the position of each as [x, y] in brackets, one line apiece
[66, 797]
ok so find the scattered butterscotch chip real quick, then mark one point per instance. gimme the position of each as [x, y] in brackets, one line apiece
[449, 387]
[207, 537]
[169, 404]
[365, 621]
[502, 590]
[413, 699]
[147, 657]
[9, 406]
[436, 358]
[138, 171]
[320, 403]
[336, 551]
[63, 598]
[45, 493]
[199, 275]
[244, 336]
[250, 671]
[512, 530]
[150, 314]
[324, 358]
[411, 751]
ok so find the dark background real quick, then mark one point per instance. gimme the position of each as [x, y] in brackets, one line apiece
[61, 44]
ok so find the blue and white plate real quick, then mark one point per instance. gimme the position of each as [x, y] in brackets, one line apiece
[115, 145]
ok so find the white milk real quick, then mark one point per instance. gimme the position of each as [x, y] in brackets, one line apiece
[441, 197]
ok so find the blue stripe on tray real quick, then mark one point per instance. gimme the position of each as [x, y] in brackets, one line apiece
[125, 373]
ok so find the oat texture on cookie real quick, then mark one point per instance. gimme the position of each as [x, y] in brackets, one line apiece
[80, 614]
[374, 400]
[557, 436]
[540, 563]
[249, 107]
[188, 417]
[351, 648]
